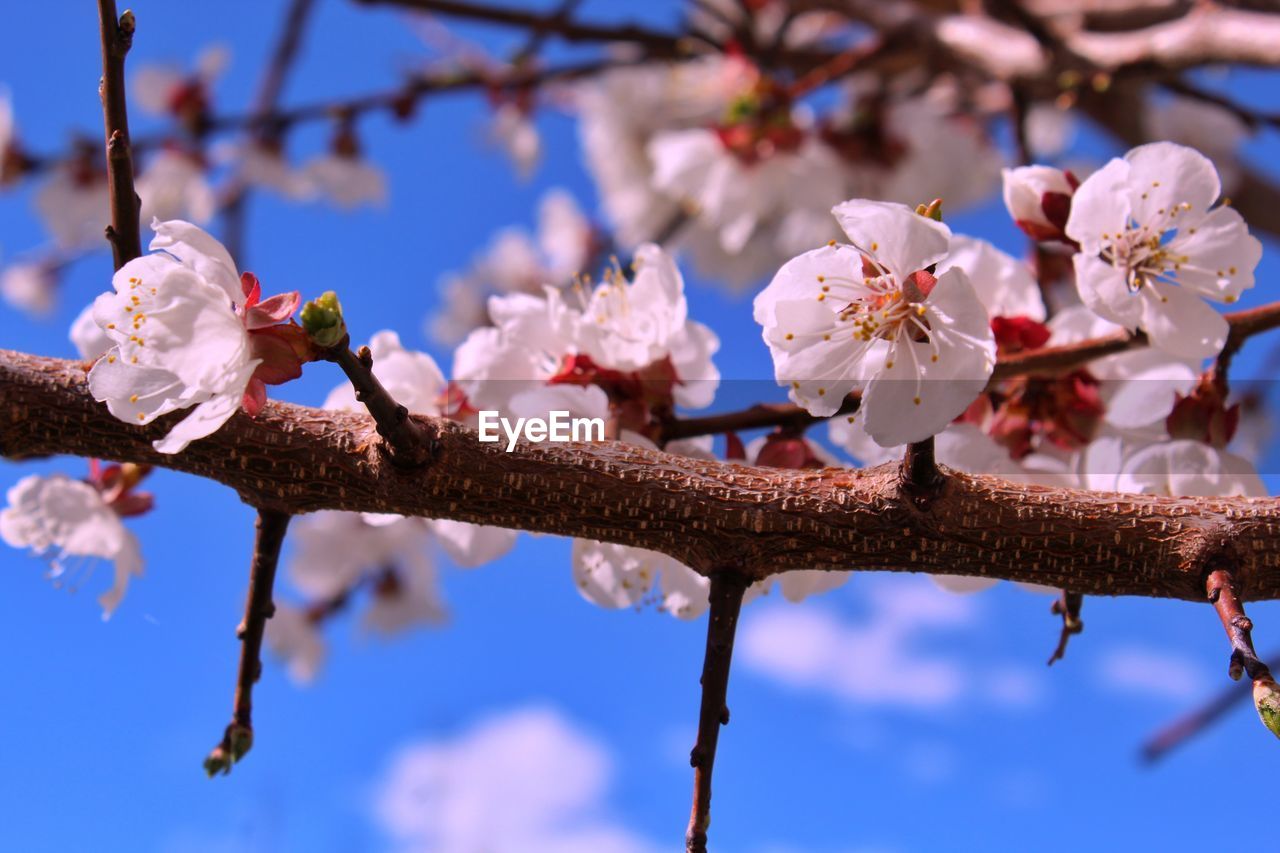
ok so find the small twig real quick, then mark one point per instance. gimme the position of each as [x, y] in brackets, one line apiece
[1194, 723]
[659, 44]
[727, 588]
[234, 207]
[1252, 118]
[561, 16]
[1243, 325]
[921, 479]
[1068, 607]
[1019, 106]
[759, 416]
[1223, 593]
[410, 443]
[238, 737]
[124, 232]
[671, 229]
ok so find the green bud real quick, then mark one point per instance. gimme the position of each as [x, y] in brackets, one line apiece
[236, 742]
[322, 318]
[1266, 698]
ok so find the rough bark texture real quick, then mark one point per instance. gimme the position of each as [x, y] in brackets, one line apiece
[708, 514]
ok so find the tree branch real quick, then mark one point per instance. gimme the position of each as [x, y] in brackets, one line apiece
[1068, 607]
[727, 589]
[658, 44]
[1223, 591]
[1188, 726]
[1243, 325]
[269, 91]
[259, 607]
[125, 232]
[295, 459]
[922, 482]
[408, 443]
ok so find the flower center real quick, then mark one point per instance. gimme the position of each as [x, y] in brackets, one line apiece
[1143, 250]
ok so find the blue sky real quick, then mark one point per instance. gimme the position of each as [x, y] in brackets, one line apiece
[938, 727]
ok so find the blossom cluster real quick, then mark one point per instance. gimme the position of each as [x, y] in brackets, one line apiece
[876, 315]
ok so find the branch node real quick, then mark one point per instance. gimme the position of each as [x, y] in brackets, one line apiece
[921, 481]
[408, 443]
[1068, 607]
[1222, 591]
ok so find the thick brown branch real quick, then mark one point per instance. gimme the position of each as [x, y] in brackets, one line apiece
[125, 231]
[709, 514]
[258, 608]
[725, 598]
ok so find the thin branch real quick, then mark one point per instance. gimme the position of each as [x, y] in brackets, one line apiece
[760, 416]
[727, 589]
[658, 44]
[234, 207]
[259, 607]
[1243, 325]
[124, 232]
[1068, 607]
[921, 479]
[1059, 359]
[408, 442]
[1224, 593]
[1252, 118]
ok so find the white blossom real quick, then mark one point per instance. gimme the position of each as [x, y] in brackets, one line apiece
[870, 315]
[515, 132]
[74, 205]
[348, 181]
[60, 518]
[178, 341]
[619, 325]
[90, 341]
[173, 186]
[293, 636]
[1005, 284]
[30, 286]
[1153, 248]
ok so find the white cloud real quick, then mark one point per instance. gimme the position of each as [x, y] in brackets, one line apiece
[1151, 673]
[877, 660]
[526, 780]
